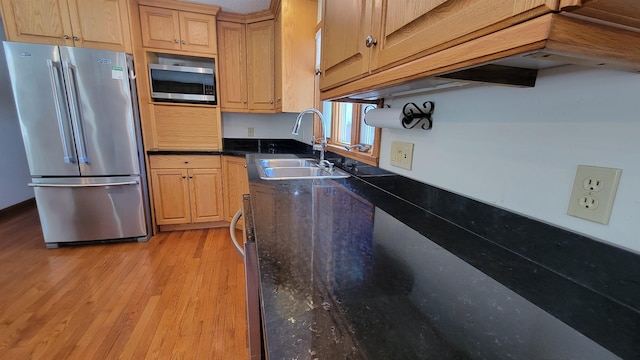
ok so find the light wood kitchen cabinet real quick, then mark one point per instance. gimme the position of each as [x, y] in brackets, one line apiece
[388, 33]
[186, 189]
[260, 65]
[246, 63]
[178, 30]
[181, 127]
[344, 55]
[295, 32]
[232, 62]
[98, 24]
[236, 183]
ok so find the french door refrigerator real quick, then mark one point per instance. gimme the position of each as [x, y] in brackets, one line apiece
[79, 119]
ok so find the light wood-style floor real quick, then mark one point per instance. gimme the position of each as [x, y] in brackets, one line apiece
[179, 296]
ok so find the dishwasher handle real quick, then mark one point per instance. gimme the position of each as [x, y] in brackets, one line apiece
[232, 232]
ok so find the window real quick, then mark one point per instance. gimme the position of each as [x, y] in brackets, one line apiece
[347, 133]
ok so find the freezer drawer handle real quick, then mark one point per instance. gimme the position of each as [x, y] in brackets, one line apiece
[85, 185]
[62, 124]
[76, 113]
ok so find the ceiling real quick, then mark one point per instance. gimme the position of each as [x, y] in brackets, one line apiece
[237, 6]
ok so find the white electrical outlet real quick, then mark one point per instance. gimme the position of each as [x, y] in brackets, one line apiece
[401, 154]
[594, 190]
[250, 132]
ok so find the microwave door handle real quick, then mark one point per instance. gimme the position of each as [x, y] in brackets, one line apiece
[63, 123]
[76, 114]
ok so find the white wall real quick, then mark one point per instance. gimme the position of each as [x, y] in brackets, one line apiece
[14, 169]
[266, 126]
[518, 148]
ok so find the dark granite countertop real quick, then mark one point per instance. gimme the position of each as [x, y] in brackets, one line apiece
[349, 270]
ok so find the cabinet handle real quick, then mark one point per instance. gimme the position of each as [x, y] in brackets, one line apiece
[183, 42]
[66, 37]
[75, 38]
[369, 41]
[175, 41]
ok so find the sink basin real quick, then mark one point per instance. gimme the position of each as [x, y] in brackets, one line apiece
[280, 163]
[294, 168]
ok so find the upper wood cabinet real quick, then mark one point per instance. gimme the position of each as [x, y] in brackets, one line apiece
[389, 33]
[246, 63]
[178, 30]
[344, 55]
[260, 65]
[99, 24]
[232, 64]
[268, 65]
[295, 32]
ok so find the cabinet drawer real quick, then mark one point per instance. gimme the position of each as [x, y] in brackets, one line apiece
[184, 162]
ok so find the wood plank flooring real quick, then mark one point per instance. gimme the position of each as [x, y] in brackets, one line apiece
[179, 296]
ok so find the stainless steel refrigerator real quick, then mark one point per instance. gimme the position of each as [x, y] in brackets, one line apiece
[80, 125]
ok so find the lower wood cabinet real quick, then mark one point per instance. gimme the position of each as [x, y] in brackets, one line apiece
[186, 189]
[236, 183]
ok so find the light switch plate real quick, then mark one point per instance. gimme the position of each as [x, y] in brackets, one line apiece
[594, 190]
[401, 154]
[250, 132]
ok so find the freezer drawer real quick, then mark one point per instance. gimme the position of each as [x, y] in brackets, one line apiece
[89, 209]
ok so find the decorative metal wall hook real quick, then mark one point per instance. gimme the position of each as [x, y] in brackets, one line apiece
[417, 117]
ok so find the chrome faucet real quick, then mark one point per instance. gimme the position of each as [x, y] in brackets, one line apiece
[360, 147]
[323, 142]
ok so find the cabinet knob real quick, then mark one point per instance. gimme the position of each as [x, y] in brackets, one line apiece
[183, 42]
[184, 177]
[186, 162]
[75, 38]
[190, 177]
[270, 101]
[66, 37]
[244, 102]
[318, 72]
[175, 41]
[370, 41]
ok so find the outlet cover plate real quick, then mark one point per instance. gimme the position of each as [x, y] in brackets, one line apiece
[594, 190]
[401, 154]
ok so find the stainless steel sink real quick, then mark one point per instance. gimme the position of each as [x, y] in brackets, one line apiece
[279, 163]
[290, 169]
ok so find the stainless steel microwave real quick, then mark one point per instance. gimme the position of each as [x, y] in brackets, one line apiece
[182, 84]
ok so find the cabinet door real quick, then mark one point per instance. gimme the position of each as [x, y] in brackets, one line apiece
[101, 24]
[186, 127]
[37, 21]
[345, 56]
[410, 27]
[206, 195]
[171, 196]
[160, 28]
[236, 183]
[260, 65]
[198, 33]
[232, 63]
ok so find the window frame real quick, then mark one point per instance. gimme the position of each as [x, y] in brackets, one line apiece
[370, 157]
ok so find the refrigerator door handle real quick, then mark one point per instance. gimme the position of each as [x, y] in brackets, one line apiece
[76, 114]
[84, 185]
[54, 68]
